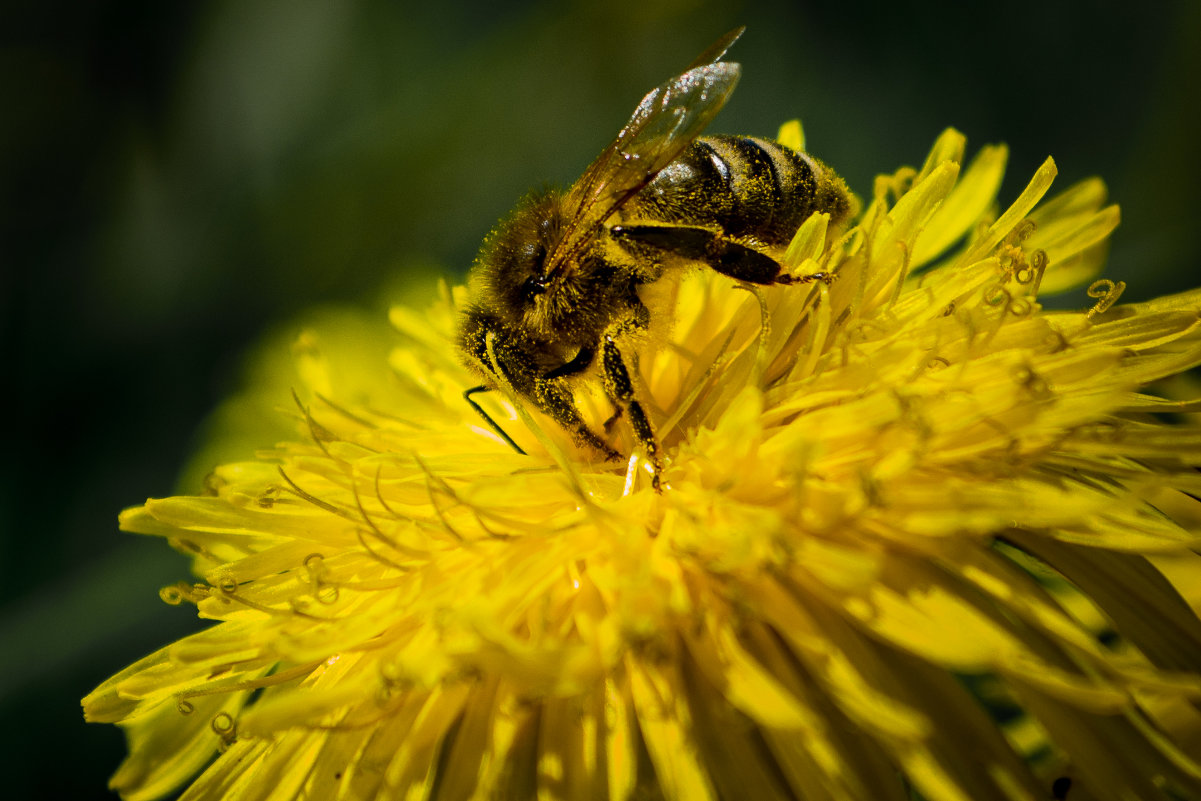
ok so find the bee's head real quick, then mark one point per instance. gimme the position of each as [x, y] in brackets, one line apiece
[510, 271]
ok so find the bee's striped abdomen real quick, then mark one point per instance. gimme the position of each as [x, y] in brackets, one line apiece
[751, 188]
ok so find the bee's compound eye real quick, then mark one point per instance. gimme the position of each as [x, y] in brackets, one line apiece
[533, 286]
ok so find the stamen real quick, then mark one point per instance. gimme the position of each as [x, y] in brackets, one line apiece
[171, 595]
[1108, 292]
[430, 481]
[1056, 341]
[1021, 307]
[224, 727]
[319, 433]
[1032, 272]
[1032, 382]
[325, 592]
[313, 499]
[1021, 232]
[631, 474]
[764, 332]
[996, 296]
[379, 534]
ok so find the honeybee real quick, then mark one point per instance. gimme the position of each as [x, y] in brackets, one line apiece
[557, 284]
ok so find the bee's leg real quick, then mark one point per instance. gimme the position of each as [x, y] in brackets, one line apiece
[788, 279]
[556, 400]
[722, 254]
[621, 390]
[553, 397]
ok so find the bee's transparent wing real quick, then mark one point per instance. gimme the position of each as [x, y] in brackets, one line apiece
[718, 49]
[663, 124]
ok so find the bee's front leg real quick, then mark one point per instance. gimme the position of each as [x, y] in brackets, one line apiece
[621, 390]
[552, 395]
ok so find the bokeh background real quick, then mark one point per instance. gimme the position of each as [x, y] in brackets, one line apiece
[177, 179]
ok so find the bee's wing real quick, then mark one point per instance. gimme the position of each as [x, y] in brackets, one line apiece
[663, 124]
[718, 49]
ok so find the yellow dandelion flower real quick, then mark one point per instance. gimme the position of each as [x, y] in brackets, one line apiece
[906, 546]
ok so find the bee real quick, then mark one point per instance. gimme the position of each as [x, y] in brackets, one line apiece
[559, 283]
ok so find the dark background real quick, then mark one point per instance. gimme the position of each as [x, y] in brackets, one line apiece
[178, 177]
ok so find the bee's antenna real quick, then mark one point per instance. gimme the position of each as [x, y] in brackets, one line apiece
[488, 418]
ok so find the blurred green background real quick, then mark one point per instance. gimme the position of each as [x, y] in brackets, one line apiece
[177, 178]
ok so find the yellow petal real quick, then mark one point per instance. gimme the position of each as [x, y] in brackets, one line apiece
[974, 193]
